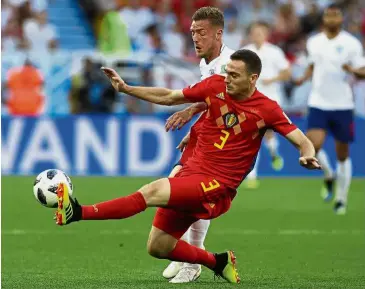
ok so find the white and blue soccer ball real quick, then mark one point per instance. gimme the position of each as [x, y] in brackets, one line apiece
[46, 184]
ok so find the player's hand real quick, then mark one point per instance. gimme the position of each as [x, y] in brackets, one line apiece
[298, 82]
[183, 143]
[117, 82]
[311, 163]
[347, 68]
[178, 120]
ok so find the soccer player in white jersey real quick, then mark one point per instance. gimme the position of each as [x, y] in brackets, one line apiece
[335, 56]
[207, 33]
[275, 69]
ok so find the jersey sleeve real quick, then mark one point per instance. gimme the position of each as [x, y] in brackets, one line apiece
[196, 92]
[309, 48]
[278, 121]
[357, 57]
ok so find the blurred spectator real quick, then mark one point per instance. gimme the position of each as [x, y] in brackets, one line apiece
[25, 86]
[255, 10]
[39, 34]
[165, 18]
[174, 42]
[299, 6]
[150, 41]
[312, 20]
[91, 91]
[136, 18]
[7, 13]
[113, 35]
[11, 35]
[233, 35]
[228, 8]
[184, 15]
[25, 12]
[286, 24]
[39, 5]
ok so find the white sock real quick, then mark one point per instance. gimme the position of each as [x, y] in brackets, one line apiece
[326, 165]
[197, 233]
[344, 175]
[272, 144]
[253, 174]
[196, 236]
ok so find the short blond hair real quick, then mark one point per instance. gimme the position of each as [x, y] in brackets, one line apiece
[213, 14]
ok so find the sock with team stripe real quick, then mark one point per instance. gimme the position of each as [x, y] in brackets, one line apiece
[119, 208]
[184, 252]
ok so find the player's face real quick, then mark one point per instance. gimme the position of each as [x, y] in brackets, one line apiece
[259, 34]
[205, 37]
[238, 80]
[332, 18]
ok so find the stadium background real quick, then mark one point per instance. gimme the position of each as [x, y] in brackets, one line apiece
[74, 121]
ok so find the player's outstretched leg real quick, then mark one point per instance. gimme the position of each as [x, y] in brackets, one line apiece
[153, 194]
[329, 176]
[271, 142]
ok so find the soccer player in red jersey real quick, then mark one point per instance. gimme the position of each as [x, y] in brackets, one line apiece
[204, 188]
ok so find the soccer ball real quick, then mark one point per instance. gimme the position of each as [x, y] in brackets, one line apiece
[45, 186]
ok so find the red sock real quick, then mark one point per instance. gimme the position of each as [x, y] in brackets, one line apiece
[185, 252]
[119, 208]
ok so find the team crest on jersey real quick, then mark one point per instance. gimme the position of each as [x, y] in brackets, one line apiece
[339, 49]
[220, 95]
[211, 71]
[223, 68]
[230, 119]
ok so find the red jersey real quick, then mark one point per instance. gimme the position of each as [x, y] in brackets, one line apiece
[230, 135]
[193, 139]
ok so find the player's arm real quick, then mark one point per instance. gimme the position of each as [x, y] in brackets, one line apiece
[283, 68]
[157, 95]
[283, 75]
[280, 122]
[180, 118]
[304, 145]
[184, 142]
[307, 75]
[357, 72]
[356, 65]
[310, 47]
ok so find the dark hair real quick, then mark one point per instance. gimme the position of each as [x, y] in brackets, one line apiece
[213, 14]
[250, 58]
[334, 6]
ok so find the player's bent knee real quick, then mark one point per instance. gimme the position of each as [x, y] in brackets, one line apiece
[156, 193]
[160, 244]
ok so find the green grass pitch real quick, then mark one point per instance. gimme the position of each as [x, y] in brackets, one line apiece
[284, 236]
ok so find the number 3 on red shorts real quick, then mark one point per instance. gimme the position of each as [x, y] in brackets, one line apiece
[211, 185]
